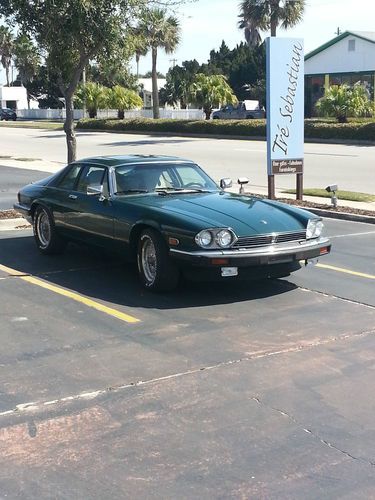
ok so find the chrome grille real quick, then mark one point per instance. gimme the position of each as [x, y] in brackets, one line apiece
[269, 239]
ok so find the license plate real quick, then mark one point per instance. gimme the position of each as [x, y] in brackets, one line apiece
[229, 271]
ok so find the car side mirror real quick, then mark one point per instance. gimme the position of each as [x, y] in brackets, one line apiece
[242, 181]
[226, 183]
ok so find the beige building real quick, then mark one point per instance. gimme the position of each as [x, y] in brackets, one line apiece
[347, 59]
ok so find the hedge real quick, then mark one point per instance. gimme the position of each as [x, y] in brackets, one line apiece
[314, 129]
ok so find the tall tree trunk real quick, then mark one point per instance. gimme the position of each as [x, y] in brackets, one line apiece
[274, 18]
[71, 141]
[7, 74]
[155, 90]
[207, 111]
[273, 26]
[137, 57]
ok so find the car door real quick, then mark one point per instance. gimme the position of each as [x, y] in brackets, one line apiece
[91, 216]
[61, 199]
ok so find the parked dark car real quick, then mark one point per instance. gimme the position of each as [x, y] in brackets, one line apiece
[8, 114]
[167, 214]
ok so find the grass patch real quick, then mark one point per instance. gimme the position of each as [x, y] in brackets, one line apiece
[29, 124]
[28, 159]
[342, 195]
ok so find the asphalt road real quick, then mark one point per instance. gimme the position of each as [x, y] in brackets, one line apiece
[239, 391]
[12, 180]
[349, 166]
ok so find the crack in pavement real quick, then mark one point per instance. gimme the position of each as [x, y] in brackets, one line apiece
[38, 406]
[337, 297]
[311, 432]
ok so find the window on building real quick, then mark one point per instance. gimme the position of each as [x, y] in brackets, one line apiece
[351, 45]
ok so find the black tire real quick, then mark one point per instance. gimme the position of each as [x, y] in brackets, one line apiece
[46, 238]
[250, 117]
[157, 273]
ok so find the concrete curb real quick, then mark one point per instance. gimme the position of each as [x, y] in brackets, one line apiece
[14, 224]
[262, 138]
[341, 215]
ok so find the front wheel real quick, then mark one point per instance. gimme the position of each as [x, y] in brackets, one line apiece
[156, 270]
[46, 237]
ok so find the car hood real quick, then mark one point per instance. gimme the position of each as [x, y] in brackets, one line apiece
[246, 215]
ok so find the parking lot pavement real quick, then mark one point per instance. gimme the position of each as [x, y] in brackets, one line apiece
[239, 391]
[12, 180]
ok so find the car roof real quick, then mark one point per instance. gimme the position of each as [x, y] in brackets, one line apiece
[118, 160]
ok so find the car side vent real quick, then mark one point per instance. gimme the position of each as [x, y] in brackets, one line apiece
[269, 239]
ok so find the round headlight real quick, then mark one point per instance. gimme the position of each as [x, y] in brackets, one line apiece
[204, 238]
[224, 238]
[319, 228]
[314, 228]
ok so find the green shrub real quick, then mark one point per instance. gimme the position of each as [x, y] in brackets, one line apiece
[355, 129]
[253, 128]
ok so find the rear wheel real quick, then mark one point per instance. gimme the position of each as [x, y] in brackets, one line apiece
[46, 237]
[157, 271]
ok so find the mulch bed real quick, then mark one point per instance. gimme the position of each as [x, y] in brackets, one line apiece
[9, 214]
[322, 206]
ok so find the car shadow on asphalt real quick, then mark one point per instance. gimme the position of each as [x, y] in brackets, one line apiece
[101, 276]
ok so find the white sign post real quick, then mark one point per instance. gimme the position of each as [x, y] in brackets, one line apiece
[285, 110]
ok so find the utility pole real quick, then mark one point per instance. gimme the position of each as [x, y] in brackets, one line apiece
[173, 61]
[338, 32]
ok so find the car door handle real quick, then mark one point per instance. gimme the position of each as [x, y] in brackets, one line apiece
[73, 196]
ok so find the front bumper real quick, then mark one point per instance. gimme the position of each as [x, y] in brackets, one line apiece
[281, 253]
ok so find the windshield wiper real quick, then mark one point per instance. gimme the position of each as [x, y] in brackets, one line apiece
[129, 191]
[171, 190]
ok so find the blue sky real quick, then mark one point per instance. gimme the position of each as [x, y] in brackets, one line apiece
[205, 23]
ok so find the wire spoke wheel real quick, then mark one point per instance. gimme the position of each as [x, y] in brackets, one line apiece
[43, 227]
[157, 271]
[48, 241]
[148, 259]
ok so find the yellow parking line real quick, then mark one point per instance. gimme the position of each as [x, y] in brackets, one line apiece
[346, 271]
[10, 271]
[71, 295]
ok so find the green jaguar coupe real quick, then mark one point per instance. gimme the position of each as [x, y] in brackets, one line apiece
[170, 217]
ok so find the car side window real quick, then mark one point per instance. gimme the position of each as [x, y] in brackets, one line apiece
[69, 179]
[92, 175]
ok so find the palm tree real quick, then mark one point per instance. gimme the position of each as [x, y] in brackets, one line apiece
[121, 99]
[343, 101]
[159, 31]
[210, 91]
[264, 15]
[26, 60]
[140, 47]
[6, 49]
[94, 94]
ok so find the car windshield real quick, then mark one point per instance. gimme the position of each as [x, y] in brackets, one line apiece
[165, 178]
